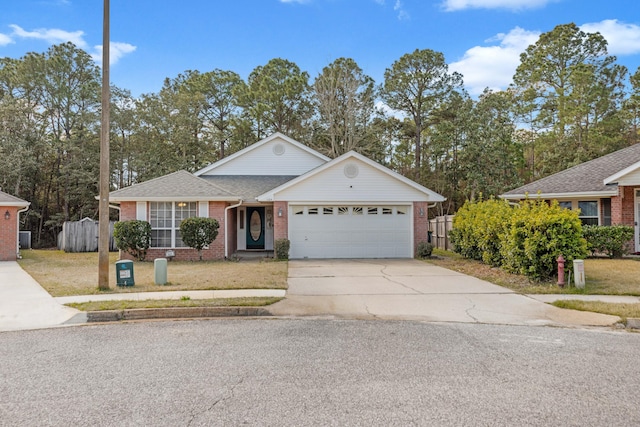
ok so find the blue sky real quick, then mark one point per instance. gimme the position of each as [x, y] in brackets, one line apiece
[155, 39]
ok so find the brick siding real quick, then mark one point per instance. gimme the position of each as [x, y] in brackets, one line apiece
[8, 233]
[420, 224]
[280, 223]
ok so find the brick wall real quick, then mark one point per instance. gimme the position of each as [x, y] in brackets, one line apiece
[622, 207]
[8, 233]
[420, 224]
[215, 251]
[281, 223]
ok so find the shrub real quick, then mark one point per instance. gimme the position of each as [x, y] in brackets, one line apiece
[538, 233]
[424, 250]
[610, 240]
[282, 248]
[133, 237]
[478, 227]
[198, 232]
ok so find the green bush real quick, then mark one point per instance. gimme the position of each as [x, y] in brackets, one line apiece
[609, 240]
[478, 228]
[133, 237]
[463, 235]
[197, 232]
[282, 248]
[424, 250]
[538, 233]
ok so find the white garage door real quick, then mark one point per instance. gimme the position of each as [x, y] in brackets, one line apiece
[350, 231]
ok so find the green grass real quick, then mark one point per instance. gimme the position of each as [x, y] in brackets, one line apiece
[217, 302]
[623, 311]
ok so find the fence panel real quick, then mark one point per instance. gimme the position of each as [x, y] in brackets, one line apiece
[439, 227]
[82, 236]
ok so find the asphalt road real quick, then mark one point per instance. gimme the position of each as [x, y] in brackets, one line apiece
[275, 372]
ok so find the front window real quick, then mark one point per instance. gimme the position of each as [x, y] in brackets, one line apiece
[165, 219]
[588, 212]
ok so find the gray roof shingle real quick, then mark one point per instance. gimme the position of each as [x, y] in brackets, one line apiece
[248, 187]
[587, 177]
[176, 185]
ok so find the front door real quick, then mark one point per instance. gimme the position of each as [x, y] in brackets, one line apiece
[255, 228]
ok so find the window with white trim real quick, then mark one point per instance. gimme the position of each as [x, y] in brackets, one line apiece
[588, 212]
[165, 219]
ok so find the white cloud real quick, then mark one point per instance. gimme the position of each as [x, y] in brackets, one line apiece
[56, 36]
[454, 5]
[116, 51]
[623, 39]
[494, 66]
[5, 40]
[402, 13]
[51, 35]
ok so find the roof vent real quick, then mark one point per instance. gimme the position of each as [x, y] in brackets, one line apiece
[278, 149]
[351, 170]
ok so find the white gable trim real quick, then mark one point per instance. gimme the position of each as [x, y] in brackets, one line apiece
[583, 194]
[433, 196]
[615, 177]
[258, 144]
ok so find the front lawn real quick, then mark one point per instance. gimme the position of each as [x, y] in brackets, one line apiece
[64, 274]
[602, 276]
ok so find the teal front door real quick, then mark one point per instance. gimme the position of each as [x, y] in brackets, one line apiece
[255, 228]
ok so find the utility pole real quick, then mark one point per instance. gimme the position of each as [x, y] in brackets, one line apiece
[105, 170]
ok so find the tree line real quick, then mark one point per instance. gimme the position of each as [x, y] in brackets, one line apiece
[570, 101]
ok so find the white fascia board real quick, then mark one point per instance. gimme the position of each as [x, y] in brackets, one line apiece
[257, 145]
[432, 196]
[358, 203]
[173, 199]
[15, 204]
[615, 177]
[581, 195]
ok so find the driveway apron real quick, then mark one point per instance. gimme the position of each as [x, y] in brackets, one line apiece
[24, 304]
[414, 290]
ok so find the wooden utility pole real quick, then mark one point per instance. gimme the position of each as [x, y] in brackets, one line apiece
[105, 171]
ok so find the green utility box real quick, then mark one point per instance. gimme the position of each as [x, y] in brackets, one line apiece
[124, 273]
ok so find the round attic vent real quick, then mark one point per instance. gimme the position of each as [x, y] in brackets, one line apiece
[351, 170]
[278, 149]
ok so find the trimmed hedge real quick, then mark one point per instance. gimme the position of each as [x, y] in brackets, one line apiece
[424, 250]
[198, 232]
[133, 237]
[612, 241]
[282, 248]
[526, 239]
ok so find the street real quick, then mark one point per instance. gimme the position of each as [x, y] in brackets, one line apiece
[275, 372]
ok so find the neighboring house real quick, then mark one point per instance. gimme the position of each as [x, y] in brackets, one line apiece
[606, 189]
[10, 209]
[278, 188]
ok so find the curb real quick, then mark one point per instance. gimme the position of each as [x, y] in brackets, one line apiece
[173, 313]
[633, 323]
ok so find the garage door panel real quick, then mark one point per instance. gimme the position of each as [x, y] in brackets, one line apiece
[365, 232]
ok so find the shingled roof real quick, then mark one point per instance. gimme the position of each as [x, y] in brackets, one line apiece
[585, 179]
[9, 200]
[180, 185]
[248, 187]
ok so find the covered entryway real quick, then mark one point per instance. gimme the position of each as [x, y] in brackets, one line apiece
[344, 231]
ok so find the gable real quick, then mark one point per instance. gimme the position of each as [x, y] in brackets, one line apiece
[275, 155]
[352, 178]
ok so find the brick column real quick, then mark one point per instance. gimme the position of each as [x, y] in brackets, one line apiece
[420, 224]
[9, 233]
[280, 223]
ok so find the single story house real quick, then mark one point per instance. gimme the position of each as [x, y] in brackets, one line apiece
[10, 209]
[278, 188]
[606, 190]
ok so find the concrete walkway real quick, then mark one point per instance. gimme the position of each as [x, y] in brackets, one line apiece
[415, 290]
[24, 304]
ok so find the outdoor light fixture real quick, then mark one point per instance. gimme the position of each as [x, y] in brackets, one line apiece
[7, 215]
[421, 212]
[279, 211]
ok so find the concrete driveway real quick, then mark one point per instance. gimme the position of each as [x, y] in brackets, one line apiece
[414, 290]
